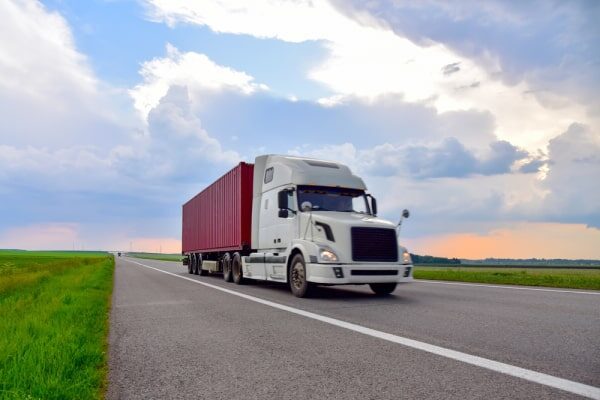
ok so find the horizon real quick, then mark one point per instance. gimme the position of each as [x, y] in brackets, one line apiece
[413, 254]
[481, 119]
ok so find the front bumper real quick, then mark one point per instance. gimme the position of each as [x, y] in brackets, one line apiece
[343, 274]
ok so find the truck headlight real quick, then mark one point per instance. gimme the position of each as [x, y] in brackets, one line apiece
[406, 257]
[327, 255]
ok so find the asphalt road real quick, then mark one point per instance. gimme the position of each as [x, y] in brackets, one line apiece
[174, 338]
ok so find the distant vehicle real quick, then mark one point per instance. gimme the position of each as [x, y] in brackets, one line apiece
[296, 220]
[119, 254]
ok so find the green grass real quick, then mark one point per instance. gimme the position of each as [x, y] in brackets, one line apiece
[156, 256]
[561, 278]
[54, 308]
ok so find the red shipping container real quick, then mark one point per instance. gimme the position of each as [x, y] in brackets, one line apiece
[219, 218]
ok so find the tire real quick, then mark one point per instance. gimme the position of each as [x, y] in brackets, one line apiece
[383, 289]
[227, 275]
[299, 286]
[236, 269]
[189, 266]
[195, 266]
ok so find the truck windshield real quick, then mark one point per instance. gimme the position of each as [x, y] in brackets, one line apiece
[325, 198]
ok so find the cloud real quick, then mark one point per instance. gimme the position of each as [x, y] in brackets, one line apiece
[448, 158]
[176, 149]
[49, 95]
[533, 165]
[574, 170]
[451, 68]
[41, 41]
[73, 153]
[283, 20]
[501, 157]
[177, 145]
[550, 45]
[368, 59]
[193, 70]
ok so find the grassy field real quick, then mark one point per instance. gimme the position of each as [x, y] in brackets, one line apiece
[156, 256]
[54, 308]
[561, 278]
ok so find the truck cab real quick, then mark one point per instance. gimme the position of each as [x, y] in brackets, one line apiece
[313, 222]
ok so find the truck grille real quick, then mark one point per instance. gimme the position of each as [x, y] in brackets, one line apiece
[374, 244]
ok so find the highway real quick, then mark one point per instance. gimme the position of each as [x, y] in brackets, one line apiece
[175, 335]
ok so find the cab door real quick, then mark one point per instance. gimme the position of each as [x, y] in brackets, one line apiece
[286, 229]
[268, 221]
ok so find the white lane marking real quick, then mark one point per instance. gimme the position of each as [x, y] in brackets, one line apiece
[533, 376]
[503, 287]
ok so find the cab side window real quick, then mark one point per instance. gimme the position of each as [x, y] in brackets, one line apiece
[269, 175]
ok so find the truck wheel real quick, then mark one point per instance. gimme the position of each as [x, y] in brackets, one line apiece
[382, 289]
[236, 269]
[189, 265]
[227, 276]
[201, 272]
[195, 266]
[299, 286]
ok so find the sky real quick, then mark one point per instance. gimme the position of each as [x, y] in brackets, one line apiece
[481, 118]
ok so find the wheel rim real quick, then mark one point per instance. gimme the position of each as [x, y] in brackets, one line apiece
[298, 276]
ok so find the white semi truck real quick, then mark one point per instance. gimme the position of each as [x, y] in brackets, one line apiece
[296, 220]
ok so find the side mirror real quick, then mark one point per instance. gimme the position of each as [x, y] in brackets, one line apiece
[374, 205]
[282, 200]
[284, 213]
[405, 213]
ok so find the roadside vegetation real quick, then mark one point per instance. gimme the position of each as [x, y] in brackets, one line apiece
[571, 277]
[156, 256]
[54, 323]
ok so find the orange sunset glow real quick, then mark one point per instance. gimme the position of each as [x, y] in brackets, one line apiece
[523, 240]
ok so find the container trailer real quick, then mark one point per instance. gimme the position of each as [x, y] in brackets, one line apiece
[295, 220]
